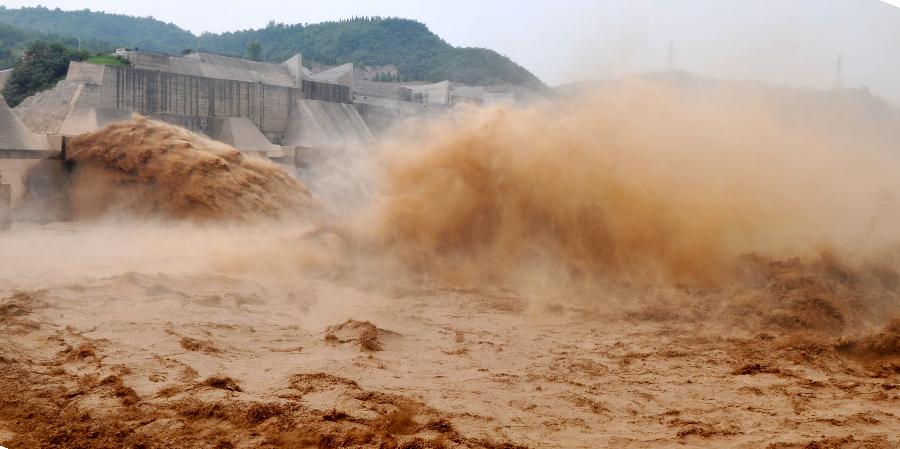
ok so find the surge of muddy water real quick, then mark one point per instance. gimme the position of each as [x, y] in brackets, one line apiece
[153, 169]
[643, 266]
[640, 181]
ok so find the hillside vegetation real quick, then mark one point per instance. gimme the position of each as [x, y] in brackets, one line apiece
[13, 42]
[418, 53]
[116, 29]
[41, 67]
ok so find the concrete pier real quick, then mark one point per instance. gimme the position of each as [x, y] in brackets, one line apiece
[5, 206]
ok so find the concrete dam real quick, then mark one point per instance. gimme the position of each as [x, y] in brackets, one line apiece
[285, 112]
[271, 110]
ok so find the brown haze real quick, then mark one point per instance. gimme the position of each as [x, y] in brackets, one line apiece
[638, 266]
[640, 185]
[637, 180]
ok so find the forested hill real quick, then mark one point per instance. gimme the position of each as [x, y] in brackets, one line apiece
[418, 53]
[14, 40]
[116, 29]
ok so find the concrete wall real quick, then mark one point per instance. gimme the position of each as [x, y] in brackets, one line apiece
[5, 207]
[88, 119]
[437, 93]
[342, 74]
[381, 114]
[14, 135]
[94, 96]
[45, 112]
[252, 116]
[149, 61]
[191, 101]
[84, 72]
[15, 173]
[324, 124]
[321, 91]
[215, 66]
[187, 99]
[295, 68]
[240, 133]
[382, 90]
[39, 188]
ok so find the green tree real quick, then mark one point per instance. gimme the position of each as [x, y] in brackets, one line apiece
[254, 51]
[40, 67]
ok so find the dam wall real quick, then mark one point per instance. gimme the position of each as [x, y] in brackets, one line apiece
[322, 91]
[163, 94]
[317, 123]
[381, 114]
[192, 101]
[258, 108]
[37, 188]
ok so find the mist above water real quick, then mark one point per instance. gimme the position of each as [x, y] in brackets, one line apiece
[639, 179]
[772, 201]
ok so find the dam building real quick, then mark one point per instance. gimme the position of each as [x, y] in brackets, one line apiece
[254, 106]
[283, 111]
[273, 110]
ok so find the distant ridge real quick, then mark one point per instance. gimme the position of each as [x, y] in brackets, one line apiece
[418, 53]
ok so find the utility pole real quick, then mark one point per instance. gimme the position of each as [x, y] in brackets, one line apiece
[5, 206]
[79, 44]
[671, 63]
[839, 72]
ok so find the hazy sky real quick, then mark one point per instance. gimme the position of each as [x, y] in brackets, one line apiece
[524, 30]
[559, 40]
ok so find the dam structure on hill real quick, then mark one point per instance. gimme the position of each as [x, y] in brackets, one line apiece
[284, 111]
[272, 110]
[249, 105]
